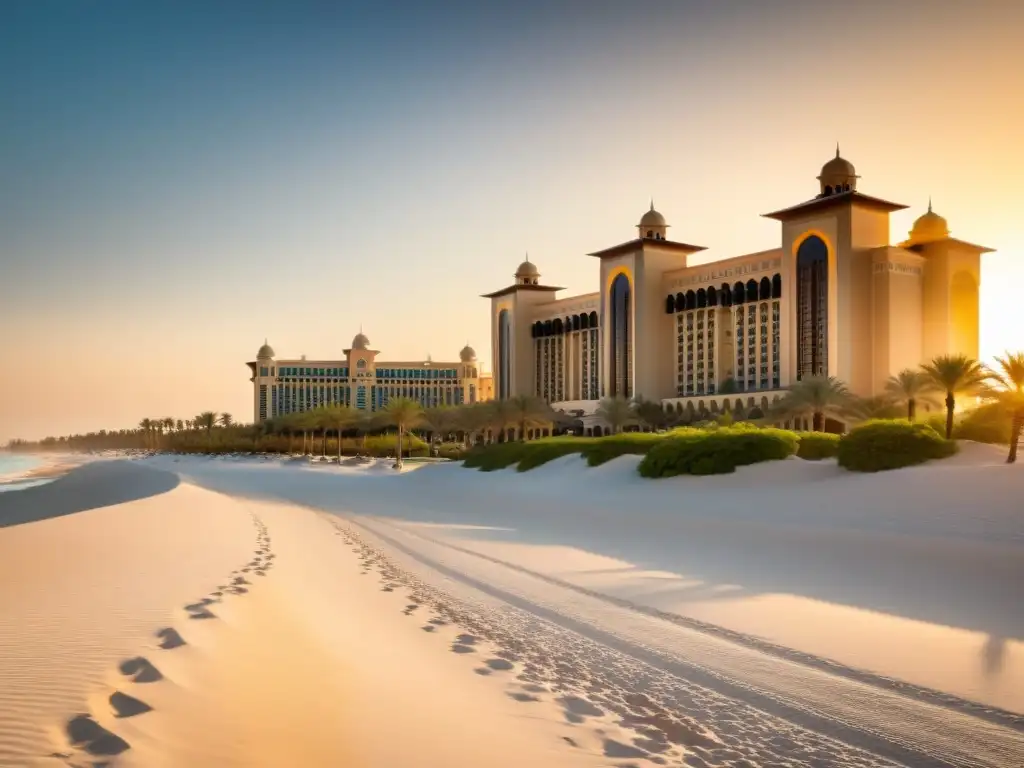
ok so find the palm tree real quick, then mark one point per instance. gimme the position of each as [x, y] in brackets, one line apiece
[439, 421]
[910, 387]
[650, 413]
[207, 420]
[954, 375]
[226, 419]
[169, 426]
[819, 397]
[146, 427]
[404, 413]
[471, 420]
[179, 426]
[616, 412]
[1008, 391]
[499, 418]
[338, 418]
[365, 422]
[526, 412]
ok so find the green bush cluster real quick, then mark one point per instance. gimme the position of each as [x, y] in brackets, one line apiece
[533, 453]
[815, 446]
[716, 452]
[989, 423]
[376, 445]
[882, 444]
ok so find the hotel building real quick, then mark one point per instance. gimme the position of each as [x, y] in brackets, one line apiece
[360, 381]
[834, 299]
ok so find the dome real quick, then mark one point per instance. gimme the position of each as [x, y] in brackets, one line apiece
[265, 351]
[360, 341]
[527, 269]
[838, 168]
[468, 354]
[652, 218]
[928, 227]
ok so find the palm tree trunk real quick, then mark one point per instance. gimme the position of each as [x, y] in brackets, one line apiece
[1015, 427]
[398, 452]
[818, 421]
[950, 407]
[911, 409]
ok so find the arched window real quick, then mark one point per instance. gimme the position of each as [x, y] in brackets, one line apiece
[691, 300]
[712, 296]
[726, 295]
[593, 319]
[584, 321]
[828, 189]
[812, 308]
[670, 304]
[776, 286]
[556, 325]
[567, 325]
[650, 233]
[360, 364]
[547, 327]
[702, 298]
[737, 293]
[538, 329]
[504, 354]
[764, 288]
[680, 302]
[575, 322]
[621, 368]
[751, 292]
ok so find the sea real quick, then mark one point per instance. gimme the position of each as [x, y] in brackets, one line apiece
[12, 465]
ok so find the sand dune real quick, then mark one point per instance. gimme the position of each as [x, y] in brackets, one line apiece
[205, 612]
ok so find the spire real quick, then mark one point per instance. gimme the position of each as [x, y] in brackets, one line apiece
[929, 203]
[527, 257]
[652, 203]
[837, 149]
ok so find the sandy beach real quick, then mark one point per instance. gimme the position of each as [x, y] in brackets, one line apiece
[187, 611]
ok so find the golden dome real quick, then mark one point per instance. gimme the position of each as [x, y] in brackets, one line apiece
[266, 351]
[652, 218]
[527, 269]
[468, 354]
[929, 227]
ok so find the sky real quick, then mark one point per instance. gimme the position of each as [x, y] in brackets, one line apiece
[180, 180]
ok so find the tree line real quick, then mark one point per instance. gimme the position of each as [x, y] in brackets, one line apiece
[936, 384]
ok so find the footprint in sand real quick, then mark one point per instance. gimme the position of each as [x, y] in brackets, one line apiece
[240, 580]
[199, 611]
[499, 665]
[522, 697]
[85, 733]
[410, 608]
[169, 638]
[459, 648]
[428, 628]
[127, 706]
[140, 670]
[467, 640]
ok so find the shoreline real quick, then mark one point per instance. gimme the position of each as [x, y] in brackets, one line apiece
[49, 468]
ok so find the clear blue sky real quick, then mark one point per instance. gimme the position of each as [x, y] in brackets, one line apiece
[180, 180]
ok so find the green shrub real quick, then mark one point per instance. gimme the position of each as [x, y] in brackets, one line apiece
[990, 423]
[716, 452]
[488, 458]
[883, 444]
[538, 452]
[454, 451]
[602, 449]
[818, 445]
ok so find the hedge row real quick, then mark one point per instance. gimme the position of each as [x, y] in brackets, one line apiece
[870, 447]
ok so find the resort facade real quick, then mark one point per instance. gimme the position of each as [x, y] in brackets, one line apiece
[360, 381]
[835, 298]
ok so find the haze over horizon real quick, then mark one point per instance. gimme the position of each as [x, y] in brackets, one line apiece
[182, 180]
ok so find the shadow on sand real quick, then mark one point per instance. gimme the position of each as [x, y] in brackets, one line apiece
[91, 486]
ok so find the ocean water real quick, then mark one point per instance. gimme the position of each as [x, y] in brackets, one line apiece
[11, 466]
[11, 463]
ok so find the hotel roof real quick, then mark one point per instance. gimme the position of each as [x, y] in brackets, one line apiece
[524, 287]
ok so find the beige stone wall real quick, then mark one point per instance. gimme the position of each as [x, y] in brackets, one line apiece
[896, 329]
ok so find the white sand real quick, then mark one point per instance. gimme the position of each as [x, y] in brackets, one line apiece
[452, 618]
